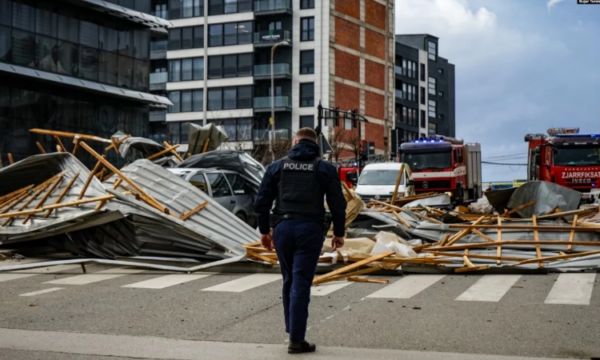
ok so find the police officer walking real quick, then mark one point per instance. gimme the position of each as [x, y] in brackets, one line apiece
[299, 183]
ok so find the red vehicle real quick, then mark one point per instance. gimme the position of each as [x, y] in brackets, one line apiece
[349, 175]
[443, 164]
[567, 158]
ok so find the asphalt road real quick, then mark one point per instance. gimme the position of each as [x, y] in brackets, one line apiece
[542, 316]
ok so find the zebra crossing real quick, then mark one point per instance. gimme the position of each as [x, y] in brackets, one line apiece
[568, 289]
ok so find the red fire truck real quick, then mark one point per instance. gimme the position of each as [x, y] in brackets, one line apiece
[444, 164]
[567, 158]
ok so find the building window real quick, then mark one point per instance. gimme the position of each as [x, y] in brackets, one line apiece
[440, 93]
[229, 66]
[186, 69]
[307, 62]
[441, 71]
[441, 116]
[404, 117]
[432, 83]
[237, 129]
[423, 119]
[422, 72]
[198, 100]
[432, 50]
[175, 98]
[230, 34]
[422, 95]
[186, 101]
[307, 27]
[307, 121]
[432, 129]
[307, 4]
[307, 94]
[431, 108]
[186, 38]
[181, 9]
[228, 98]
[219, 7]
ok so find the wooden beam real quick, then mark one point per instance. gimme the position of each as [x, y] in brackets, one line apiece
[398, 180]
[57, 206]
[63, 193]
[519, 208]
[44, 198]
[353, 266]
[367, 280]
[38, 190]
[14, 201]
[425, 246]
[10, 159]
[162, 152]
[59, 142]
[89, 179]
[114, 144]
[399, 218]
[8, 196]
[572, 235]
[476, 268]
[523, 227]
[356, 273]
[108, 176]
[482, 235]
[117, 183]
[499, 239]
[559, 257]
[445, 240]
[536, 236]
[427, 218]
[198, 208]
[465, 232]
[69, 134]
[205, 147]
[76, 146]
[165, 143]
[260, 257]
[476, 256]
[119, 142]
[40, 147]
[510, 242]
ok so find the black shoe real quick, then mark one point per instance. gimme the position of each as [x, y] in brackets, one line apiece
[301, 347]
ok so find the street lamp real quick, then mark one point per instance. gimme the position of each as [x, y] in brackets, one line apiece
[272, 120]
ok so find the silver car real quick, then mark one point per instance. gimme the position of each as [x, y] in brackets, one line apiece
[228, 188]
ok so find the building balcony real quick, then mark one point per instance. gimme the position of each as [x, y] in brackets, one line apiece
[263, 104]
[163, 14]
[158, 115]
[262, 136]
[158, 81]
[280, 71]
[268, 38]
[272, 7]
[158, 49]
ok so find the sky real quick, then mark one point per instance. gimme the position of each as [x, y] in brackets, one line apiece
[522, 66]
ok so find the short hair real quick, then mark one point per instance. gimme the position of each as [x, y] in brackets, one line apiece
[306, 133]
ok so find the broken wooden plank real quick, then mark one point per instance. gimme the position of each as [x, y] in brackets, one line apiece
[252, 244]
[44, 198]
[559, 257]
[10, 158]
[510, 242]
[536, 236]
[63, 193]
[162, 152]
[76, 145]
[7, 197]
[205, 147]
[118, 142]
[476, 268]
[482, 235]
[69, 134]
[398, 180]
[59, 142]
[261, 257]
[426, 218]
[466, 261]
[466, 231]
[523, 227]
[499, 239]
[353, 266]
[117, 183]
[368, 280]
[165, 143]
[355, 273]
[40, 147]
[198, 208]
[476, 256]
[89, 179]
[519, 208]
[57, 206]
[572, 234]
[399, 218]
[114, 144]
[445, 240]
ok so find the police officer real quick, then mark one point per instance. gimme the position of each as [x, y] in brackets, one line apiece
[299, 183]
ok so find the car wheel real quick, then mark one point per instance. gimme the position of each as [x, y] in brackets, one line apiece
[241, 216]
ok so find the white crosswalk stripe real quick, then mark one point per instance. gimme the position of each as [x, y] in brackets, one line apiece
[489, 288]
[166, 281]
[328, 288]
[245, 283]
[22, 274]
[95, 277]
[572, 289]
[407, 287]
[45, 291]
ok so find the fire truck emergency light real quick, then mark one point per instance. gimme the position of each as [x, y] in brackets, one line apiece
[562, 131]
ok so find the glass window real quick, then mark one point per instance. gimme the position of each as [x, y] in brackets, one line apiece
[432, 50]
[307, 94]
[23, 17]
[422, 95]
[186, 69]
[199, 181]
[6, 12]
[431, 108]
[244, 130]
[198, 65]
[46, 23]
[229, 125]
[109, 66]
[244, 32]
[215, 67]
[5, 43]
[68, 28]
[218, 185]
[198, 100]
[89, 34]
[141, 43]
[198, 36]
[229, 66]
[244, 65]
[141, 75]
[125, 71]
[229, 98]
[126, 43]
[187, 38]
[88, 63]
[308, 29]
[174, 39]
[422, 72]
[441, 71]
[215, 99]
[244, 5]
[68, 59]
[175, 132]
[43, 53]
[307, 121]
[109, 39]
[432, 86]
[186, 101]
[307, 62]
[215, 7]
[230, 34]
[237, 184]
[175, 70]
[307, 4]
[231, 6]
[423, 119]
[188, 8]
[244, 100]
[175, 9]
[215, 35]
[175, 98]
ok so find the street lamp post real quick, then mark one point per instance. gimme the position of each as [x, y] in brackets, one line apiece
[272, 120]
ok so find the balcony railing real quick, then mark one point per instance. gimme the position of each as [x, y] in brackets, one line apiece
[186, 12]
[278, 70]
[270, 37]
[159, 45]
[265, 102]
[263, 135]
[272, 6]
[163, 14]
[159, 78]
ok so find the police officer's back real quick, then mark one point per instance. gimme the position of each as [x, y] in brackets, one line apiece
[299, 183]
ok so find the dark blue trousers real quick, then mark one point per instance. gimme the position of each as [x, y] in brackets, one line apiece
[298, 245]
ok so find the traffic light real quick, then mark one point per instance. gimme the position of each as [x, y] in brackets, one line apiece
[364, 150]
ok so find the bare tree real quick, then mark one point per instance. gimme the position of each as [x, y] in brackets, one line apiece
[353, 143]
[337, 140]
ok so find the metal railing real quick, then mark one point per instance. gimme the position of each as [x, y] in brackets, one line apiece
[272, 5]
[159, 78]
[272, 36]
[278, 69]
[265, 134]
[159, 45]
[265, 102]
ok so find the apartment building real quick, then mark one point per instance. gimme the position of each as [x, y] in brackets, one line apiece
[215, 66]
[424, 89]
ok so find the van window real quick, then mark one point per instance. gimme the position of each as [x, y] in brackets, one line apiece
[219, 185]
[237, 184]
[200, 182]
[379, 177]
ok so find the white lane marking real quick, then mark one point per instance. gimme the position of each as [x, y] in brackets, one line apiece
[45, 291]
[166, 281]
[245, 283]
[95, 277]
[489, 288]
[327, 289]
[407, 287]
[22, 274]
[572, 289]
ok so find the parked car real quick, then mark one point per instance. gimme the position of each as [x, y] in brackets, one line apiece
[378, 181]
[228, 188]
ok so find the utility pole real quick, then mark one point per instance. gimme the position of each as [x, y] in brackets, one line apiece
[272, 119]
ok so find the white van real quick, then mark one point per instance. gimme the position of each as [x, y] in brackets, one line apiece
[378, 181]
